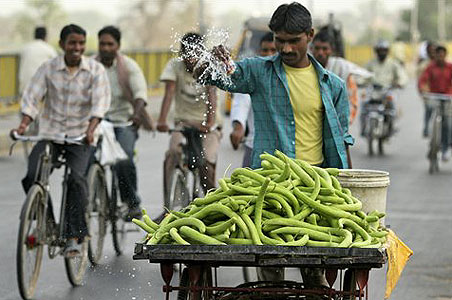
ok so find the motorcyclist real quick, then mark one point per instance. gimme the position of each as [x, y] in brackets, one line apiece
[388, 75]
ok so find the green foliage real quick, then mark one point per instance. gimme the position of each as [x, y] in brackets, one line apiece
[39, 12]
[427, 20]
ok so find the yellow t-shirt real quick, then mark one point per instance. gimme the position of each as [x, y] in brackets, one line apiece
[308, 111]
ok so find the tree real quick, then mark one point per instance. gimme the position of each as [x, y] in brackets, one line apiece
[427, 21]
[153, 24]
[40, 12]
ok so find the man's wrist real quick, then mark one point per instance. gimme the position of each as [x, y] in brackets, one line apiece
[236, 125]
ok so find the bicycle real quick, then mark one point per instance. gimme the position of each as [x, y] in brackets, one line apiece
[185, 182]
[439, 119]
[38, 227]
[106, 206]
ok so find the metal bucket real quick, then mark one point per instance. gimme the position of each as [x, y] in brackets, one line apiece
[369, 186]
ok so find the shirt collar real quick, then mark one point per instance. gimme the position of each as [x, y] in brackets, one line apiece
[83, 64]
[321, 72]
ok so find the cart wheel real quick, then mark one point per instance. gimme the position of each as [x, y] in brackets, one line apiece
[205, 280]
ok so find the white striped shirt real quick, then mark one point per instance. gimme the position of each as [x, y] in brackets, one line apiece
[70, 100]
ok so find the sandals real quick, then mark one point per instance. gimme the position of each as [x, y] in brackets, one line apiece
[72, 249]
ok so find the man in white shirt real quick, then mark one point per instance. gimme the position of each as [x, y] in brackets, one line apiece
[241, 112]
[33, 55]
[322, 48]
[195, 107]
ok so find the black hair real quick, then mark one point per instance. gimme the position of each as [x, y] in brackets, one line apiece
[268, 37]
[111, 30]
[292, 18]
[440, 48]
[40, 33]
[324, 37]
[189, 40]
[71, 28]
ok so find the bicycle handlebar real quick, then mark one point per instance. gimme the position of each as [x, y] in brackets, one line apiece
[78, 140]
[437, 96]
[121, 124]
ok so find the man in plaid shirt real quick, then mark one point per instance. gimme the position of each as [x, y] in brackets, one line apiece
[76, 96]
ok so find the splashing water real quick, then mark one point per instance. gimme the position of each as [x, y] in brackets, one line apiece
[216, 70]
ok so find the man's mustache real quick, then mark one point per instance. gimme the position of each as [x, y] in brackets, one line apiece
[288, 54]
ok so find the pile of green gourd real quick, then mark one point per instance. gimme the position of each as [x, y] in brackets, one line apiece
[287, 202]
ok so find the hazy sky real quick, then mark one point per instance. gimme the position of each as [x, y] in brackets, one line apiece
[319, 8]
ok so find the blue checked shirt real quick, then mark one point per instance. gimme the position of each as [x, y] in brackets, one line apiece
[265, 80]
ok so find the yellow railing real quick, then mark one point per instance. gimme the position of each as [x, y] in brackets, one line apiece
[152, 64]
[9, 84]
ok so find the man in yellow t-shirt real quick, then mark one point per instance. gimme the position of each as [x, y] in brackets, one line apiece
[300, 108]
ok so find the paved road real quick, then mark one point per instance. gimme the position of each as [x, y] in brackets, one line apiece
[419, 210]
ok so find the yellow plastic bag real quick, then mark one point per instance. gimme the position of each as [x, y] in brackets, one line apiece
[398, 255]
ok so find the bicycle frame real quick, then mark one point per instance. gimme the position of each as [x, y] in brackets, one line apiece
[45, 167]
[43, 175]
[184, 163]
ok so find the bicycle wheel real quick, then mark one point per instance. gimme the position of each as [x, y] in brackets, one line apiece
[30, 241]
[97, 212]
[371, 136]
[435, 145]
[205, 280]
[198, 189]
[76, 266]
[178, 196]
[381, 146]
[118, 212]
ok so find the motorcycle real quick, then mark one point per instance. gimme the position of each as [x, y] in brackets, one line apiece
[377, 117]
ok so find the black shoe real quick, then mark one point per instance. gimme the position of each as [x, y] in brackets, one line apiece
[134, 212]
[72, 249]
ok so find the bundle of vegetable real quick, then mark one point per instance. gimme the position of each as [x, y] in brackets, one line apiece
[286, 202]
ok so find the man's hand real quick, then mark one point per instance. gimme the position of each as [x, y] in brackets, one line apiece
[93, 122]
[26, 120]
[424, 89]
[136, 120]
[220, 53]
[162, 126]
[206, 126]
[89, 138]
[237, 135]
[138, 105]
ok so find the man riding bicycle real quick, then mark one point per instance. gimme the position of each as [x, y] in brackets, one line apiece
[437, 78]
[195, 106]
[76, 97]
[128, 100]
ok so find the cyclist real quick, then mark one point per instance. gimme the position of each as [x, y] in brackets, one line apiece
[422, 65]
[322, 50]
[33, 55]
[388, 74]
[437, 78]
[195, 106]
[300, 108]
[241, 112]
[76, 97]
[128, 100]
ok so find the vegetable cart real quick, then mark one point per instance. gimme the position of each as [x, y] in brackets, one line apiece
[198, 282]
